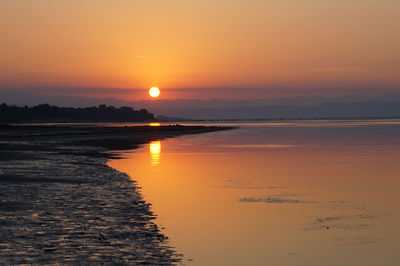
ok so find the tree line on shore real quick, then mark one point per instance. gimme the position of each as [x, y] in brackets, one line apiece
[48, 113]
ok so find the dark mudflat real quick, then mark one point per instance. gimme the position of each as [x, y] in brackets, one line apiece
[60, 203]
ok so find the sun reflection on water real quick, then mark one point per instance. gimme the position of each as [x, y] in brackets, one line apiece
[155, 151]
[154, 124]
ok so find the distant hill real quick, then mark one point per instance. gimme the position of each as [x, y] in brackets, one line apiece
[48, 113]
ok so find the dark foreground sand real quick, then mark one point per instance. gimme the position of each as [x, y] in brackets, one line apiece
[61, 204]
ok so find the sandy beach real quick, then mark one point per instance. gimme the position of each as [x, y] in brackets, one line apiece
[60, 203]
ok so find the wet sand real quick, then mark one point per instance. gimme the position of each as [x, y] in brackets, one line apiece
[60, 203]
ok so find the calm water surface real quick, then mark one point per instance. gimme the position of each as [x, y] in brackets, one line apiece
[297, 193]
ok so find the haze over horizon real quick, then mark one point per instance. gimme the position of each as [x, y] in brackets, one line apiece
[348, 106]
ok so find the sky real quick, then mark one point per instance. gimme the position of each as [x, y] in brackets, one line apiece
[206, 49]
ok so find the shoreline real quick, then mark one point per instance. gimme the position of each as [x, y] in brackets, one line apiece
[60, 202]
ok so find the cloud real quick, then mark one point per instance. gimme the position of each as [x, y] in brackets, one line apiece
[340, 69]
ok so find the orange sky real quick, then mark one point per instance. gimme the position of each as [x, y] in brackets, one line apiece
[201, 49]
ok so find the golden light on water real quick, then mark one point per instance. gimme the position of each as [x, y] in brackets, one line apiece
[155, 151]
[155, 124]
[197, 182]
[154, 92]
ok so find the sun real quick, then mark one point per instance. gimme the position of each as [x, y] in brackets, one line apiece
[154, 92]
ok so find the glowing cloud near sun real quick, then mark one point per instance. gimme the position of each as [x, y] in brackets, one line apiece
[154, 92]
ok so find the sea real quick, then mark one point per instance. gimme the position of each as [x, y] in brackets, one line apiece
[276, 193]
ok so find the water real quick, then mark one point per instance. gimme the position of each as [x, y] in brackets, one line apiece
[290, 193]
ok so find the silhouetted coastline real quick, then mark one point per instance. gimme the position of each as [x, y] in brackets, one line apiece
[48, 113]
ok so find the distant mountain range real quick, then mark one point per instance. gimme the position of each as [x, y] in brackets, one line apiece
[368, 109]
[351, 106]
